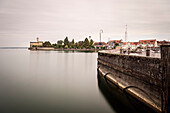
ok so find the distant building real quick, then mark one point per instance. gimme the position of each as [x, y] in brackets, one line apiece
[111, 43]
[89, 38]
[148, 43]
[124, 45]
[133, 45]
[99, 44]
[36, 44]
[163, 43]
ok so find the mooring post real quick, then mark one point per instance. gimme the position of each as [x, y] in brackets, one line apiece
[128, 51]
[121, 51]
[165, 57]
[147, 52]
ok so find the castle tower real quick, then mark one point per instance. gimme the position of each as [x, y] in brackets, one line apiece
[126, 34]
[89, 38]
[37, 39]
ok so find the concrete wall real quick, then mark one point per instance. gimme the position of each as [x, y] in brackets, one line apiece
[140, 76]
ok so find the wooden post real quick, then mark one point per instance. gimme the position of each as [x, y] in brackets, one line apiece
[128, 51]
[121, 51]
[165, 57]
[147, 52]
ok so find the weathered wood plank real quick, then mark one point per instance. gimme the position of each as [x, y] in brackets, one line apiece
[165, 57]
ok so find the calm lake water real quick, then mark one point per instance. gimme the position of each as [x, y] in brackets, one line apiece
[50, 82]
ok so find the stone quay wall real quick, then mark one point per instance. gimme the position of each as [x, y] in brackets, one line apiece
[142, 77]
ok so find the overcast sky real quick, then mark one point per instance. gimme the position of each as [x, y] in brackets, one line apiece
[21, 21]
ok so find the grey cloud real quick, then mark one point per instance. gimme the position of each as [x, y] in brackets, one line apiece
[23, 20]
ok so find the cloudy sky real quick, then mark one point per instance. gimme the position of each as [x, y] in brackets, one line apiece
[21, 21]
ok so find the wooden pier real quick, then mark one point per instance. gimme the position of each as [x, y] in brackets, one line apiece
[145, 78]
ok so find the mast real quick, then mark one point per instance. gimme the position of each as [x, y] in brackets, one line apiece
[101, 31]
[126, 34]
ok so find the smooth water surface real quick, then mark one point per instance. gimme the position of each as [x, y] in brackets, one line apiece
[49, 82]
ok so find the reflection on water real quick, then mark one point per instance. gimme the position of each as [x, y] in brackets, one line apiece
[49, 82]
[120, 101]
[55, 82]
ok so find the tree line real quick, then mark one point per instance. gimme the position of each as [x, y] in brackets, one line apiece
[86, 44]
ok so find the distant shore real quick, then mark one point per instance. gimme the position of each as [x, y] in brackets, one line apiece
[62, 49]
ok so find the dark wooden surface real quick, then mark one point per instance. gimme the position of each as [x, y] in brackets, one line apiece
[165, 57]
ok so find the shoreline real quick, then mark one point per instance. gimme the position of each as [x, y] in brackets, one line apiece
[62, 49]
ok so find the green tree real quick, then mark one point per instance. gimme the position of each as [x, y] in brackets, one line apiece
[72, 41]
[54, 45]
[66, 41]
[57, 46]
[80, 44]
[91, 42]
[76, 45]
[72, 44]
[59, 42]
[116, 44]
[66, 46]
[46, 44]
[86, 43]
[92, 47]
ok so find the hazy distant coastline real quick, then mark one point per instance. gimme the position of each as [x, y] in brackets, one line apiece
[13, 47]
[62, 49]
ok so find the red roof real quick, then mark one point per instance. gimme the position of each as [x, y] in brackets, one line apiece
[131, 43]
[124, 43]
[162, 42]
[147, 41]
[116, 41]
[134, 43]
